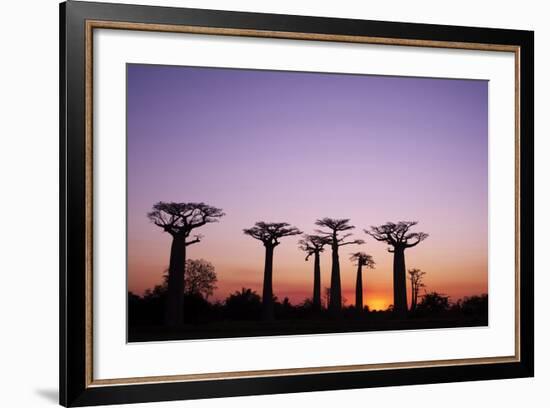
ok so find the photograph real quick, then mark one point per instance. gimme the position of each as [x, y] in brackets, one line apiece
[265, 202]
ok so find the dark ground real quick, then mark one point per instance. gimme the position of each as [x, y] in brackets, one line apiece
[231, 329]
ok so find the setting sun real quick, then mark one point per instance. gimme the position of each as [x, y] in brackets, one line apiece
[378, 303]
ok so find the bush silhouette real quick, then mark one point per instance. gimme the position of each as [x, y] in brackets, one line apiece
[474, 305]
[243, 305]
[433, 303]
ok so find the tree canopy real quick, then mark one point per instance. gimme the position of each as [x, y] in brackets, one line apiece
[337, 225]
[270, 232]
[181, 218]
[200, 278]
[397, 235]
[433, 303]
[363, 259]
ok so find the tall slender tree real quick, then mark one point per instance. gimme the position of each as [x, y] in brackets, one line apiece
[314, 245]
[366, 260]
[337, 236]
[399, 238]
[416, 277]
[269, 233]
[179, 220]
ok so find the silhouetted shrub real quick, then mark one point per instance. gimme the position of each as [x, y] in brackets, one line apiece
[243, 305]
[284, 310]
[433, 303]
[474, 305]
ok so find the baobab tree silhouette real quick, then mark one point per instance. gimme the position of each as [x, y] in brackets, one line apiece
[399, 238]
[314, 245]
[367, 261]
[179, 219]
[415, 276]
[336, 226]
[270, 233]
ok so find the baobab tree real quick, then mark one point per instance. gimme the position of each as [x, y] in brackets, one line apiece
[336, 227]
[399, 238]
[179, 220]
[270, 233]
[415, 276]
[366, 260]
[314, 245]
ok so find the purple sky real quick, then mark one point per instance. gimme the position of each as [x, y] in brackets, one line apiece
[294, 147]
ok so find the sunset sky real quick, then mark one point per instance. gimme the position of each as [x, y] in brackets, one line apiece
[288, 146]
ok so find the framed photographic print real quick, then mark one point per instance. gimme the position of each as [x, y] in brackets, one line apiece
[255, 203]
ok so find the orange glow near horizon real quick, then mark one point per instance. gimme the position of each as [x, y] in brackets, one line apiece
[239, 268]
[378, 304]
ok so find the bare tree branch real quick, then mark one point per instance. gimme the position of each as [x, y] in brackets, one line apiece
[194, 241]
[354, 242]
[421, 236]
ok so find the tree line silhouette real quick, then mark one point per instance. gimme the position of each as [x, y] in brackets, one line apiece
[246, 305]
[186, 280]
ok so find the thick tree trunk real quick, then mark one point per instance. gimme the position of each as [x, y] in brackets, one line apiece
[176, 276]
[335, 303]
[317, 282]
[267, 294]
[399, 283]
[359, 288]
